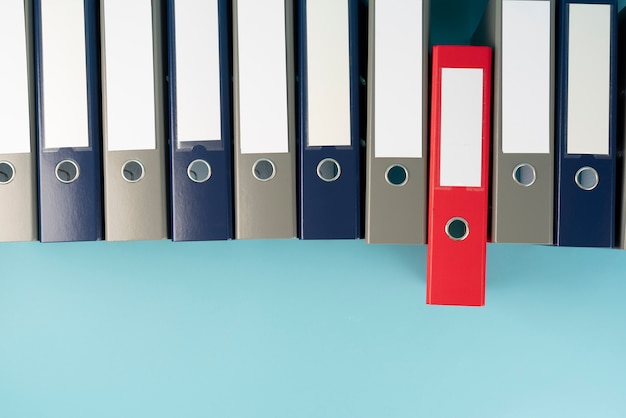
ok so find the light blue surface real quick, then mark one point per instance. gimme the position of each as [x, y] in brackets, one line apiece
[307, 329]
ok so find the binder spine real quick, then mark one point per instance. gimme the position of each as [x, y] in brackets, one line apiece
[135, 178]
[620, 238]
[202, 210]
[71, 212]
[457, 225]
[396, 213]
[329, 209]
[584, 218]
[522, 194]
[18, 171]
[265, 206]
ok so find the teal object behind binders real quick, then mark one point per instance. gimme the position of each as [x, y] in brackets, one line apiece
[586, 123]
[200, 119]
[18, 148]
[330, 36]
[68, 120]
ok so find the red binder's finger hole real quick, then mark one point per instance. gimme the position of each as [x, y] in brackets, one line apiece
[328, 169]
[67, 171]
[132, 171]
[264, 170]
[457, 229]
[7, 172]
[397, 175]
[587, 178]
[524, 174]
[199, 171]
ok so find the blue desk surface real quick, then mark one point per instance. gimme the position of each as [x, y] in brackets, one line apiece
[307, 329]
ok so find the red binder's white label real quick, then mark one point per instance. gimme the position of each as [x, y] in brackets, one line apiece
[461, 126]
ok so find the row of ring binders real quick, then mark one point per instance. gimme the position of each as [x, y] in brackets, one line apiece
[317, 119]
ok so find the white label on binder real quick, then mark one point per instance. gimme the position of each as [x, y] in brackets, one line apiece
[14, 106]
[461, 127]
[262, 55]
[589, 69]
[64, 74]
[128, 78]
[398, 85]
[328, 73]
[526, 77]
[198, 112]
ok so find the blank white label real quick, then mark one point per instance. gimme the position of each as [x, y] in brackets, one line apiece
[198, 113]
[14, 111]
[64, 74]
[262, 54]
[328, 73]
[398, 85]
[461, 127]
[589, 69]
[129, 78]
[526, 77]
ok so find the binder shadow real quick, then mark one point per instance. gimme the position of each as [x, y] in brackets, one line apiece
[511, 266]
[406, 259]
